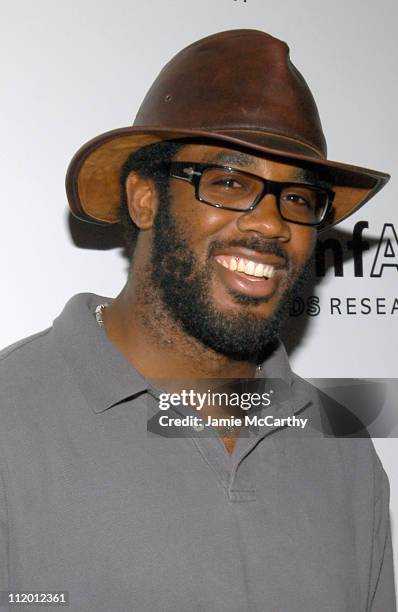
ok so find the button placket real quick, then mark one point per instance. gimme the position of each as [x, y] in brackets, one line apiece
[228, 468]
[239, 488]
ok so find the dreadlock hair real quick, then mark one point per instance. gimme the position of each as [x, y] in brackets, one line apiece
[145, 161]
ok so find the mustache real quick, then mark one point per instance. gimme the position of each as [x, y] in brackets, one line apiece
[255, 244]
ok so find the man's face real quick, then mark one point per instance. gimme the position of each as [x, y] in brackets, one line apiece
[195, 246]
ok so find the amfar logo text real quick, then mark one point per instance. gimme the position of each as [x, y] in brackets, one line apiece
[386, 255]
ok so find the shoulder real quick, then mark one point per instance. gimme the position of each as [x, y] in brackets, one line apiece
[74, 314]
[22, 349]
[22, 359]
[36, 365]
[30, 375]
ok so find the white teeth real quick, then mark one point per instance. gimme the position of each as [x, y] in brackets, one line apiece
[249, 268]
[238, 264]
[269, 271]
[259, 270]
[233, 265]
[241, 265]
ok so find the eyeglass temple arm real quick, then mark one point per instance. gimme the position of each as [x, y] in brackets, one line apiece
[188, 176]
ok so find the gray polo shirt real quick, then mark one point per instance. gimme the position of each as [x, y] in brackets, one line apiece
[124, 520]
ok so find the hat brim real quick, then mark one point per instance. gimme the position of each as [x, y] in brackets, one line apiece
[93, 175]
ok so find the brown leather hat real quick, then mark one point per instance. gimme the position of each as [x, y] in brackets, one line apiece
[239, 87]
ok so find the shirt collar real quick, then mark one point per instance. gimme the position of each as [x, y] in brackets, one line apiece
[276, 364]
[103, 374]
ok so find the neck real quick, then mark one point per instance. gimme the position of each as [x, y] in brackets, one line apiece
[154, 343]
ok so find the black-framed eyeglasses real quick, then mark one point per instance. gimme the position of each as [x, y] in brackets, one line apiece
[232, 189]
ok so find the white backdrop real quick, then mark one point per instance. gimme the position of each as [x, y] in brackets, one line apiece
[72, 69]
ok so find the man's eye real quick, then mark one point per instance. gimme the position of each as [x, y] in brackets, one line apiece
[299, 199]
[228, 183]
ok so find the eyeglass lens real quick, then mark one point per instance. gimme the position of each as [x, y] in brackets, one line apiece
[239, 191]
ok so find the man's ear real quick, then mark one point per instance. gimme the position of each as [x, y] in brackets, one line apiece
[142, 200]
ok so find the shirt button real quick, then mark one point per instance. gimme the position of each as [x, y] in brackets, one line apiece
[198, 427]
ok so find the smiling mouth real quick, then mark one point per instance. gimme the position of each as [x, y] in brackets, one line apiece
[246, 266]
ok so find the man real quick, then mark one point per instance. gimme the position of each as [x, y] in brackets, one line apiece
[225, 185]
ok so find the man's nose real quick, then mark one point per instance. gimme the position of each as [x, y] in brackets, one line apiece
[265, 219]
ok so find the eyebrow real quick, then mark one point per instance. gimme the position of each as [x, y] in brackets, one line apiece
[233, 158]
[242, 160]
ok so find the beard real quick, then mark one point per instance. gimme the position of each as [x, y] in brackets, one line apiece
[184, 287]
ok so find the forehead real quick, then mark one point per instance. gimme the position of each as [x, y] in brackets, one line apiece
[249, 161]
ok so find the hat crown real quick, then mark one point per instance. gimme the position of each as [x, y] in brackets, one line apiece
[237, 87]
[231, 81]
